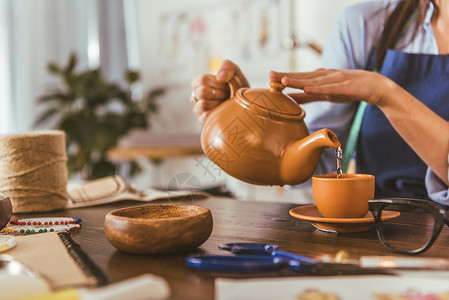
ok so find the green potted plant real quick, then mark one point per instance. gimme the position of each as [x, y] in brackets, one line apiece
[94, 114]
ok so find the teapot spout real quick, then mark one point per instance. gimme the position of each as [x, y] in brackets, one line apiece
[300, 158]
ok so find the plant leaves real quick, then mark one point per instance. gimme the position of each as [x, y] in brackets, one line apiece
[95, 113]
[136, 120]
[101, 169]
[156, 93]
[57, 96]
[132, 76]
[53, 68]
[73, 61]
[152, 107]
[46, 115]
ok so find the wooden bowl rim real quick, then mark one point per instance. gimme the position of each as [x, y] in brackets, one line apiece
[112, 214]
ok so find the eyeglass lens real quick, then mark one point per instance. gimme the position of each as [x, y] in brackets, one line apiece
[410, 231]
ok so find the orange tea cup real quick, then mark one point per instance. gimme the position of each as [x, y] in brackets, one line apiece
[346, 196]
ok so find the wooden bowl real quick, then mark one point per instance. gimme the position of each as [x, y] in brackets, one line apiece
[159, 228]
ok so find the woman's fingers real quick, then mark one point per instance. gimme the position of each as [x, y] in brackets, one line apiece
[202, 118]
[227, 70]
[303, 98]
[208, 80]
[209, 91]
[320, 85]
[202, 113]
[316, 78]
[201, 106]
[204, 92]
[334, 85]
[216, 86]
[277, 76]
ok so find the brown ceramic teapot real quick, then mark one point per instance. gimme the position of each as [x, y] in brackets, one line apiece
[259, 136]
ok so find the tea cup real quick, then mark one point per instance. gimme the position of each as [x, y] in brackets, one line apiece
[344, 196]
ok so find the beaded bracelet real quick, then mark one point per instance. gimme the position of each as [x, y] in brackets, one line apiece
[40, 225]
[45, 221]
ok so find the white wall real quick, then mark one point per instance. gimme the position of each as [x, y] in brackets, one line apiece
[232, 29]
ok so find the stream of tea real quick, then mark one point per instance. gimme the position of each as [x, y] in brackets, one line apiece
[339, 155]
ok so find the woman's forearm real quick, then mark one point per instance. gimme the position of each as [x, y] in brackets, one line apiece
[421, 128]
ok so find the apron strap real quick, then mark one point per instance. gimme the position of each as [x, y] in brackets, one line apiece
[349, 150]
[353, 137]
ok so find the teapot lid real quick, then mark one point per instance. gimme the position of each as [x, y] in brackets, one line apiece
[273, 99]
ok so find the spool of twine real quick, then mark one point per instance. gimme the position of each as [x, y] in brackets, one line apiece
[33, 170]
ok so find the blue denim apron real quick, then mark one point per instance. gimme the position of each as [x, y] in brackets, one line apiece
[380, 150]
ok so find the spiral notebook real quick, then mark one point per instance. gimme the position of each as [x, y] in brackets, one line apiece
[59, 260]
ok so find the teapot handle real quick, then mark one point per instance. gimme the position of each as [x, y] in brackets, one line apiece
[234, 85]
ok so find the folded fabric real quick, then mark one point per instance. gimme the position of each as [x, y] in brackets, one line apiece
[114, 188]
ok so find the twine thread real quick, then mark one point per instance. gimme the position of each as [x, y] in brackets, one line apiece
[33, 171]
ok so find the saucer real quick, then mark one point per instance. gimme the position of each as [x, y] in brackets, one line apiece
[311, 214]
[6, 242]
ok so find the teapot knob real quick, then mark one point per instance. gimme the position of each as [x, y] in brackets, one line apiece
[276, 86]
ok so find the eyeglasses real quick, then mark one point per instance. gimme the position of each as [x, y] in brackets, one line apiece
[415, 230]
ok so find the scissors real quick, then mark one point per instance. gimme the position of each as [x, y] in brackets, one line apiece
[254, 257]
[258, 257]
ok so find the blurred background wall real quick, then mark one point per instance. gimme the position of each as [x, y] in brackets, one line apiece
[169, 42]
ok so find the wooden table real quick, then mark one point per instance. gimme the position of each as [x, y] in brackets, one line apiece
[156, 146]
[132, 153]
[234, 221]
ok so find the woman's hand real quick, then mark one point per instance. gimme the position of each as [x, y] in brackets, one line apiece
[209, 91]
[420, 127]
[336, 85]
